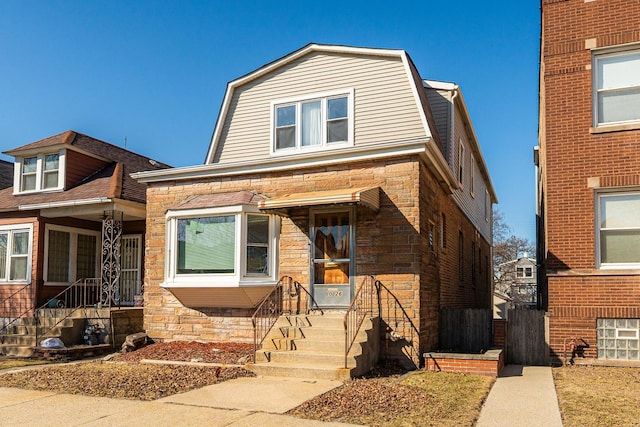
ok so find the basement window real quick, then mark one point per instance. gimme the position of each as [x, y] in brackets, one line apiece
[618, 339]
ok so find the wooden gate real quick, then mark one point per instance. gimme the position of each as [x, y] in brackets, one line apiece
[526, 344]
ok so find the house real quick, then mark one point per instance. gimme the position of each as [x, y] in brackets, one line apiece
[502, 303]
[518, 279]
[6, 174]
[589, 181]
[72, 227]
[326, 167]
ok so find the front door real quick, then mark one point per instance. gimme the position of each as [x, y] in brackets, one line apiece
[130, 270]
[332, 242]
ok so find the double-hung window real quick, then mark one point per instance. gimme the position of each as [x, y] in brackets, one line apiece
[313, 122]
[618, 230]
[40, 173]
[221, 246]
[15, 253]
[616, 83]
[71, 254]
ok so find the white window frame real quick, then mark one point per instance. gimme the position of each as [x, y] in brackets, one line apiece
[598, 54]
[10, 230]
[239, 276]
[472, 173]
[39, 173]
[487, 205]
[461, 163]
[598, 230]
[73, 251]
[297, 102]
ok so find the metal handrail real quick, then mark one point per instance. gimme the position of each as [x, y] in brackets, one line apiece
[268, 312]
[82, 293]
[392, 312]
[366, 297]
[12, 312]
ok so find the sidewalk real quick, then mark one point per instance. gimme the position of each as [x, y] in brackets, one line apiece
[241, 402]
[522, 396]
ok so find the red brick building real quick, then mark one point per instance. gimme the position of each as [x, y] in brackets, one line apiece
[589, 176]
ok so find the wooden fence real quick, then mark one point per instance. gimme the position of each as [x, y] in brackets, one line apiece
[465, 330]
[526, 344]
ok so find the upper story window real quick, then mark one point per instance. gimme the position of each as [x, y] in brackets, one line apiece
[618, 230]
[472, 176]
[314, 122]
[15, 253]
[221, 246]
[524, 272]
[461, 162]
[39, 173]
[616, 87]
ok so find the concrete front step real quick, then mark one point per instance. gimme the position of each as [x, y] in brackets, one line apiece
[329, 360]
[299, 371]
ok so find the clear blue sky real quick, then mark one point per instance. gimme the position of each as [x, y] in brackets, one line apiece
[155, 72]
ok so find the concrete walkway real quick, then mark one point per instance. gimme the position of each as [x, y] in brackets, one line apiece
[241, 402]
[522, 396]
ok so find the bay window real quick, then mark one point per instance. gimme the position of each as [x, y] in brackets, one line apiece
[317, 121]
[618, 230]
[616, 82]
[221, 246]
[40, 173]
[71, 254]
[15, 253]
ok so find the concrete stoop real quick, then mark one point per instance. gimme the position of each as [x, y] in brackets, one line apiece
[20, 339]
[312, 346]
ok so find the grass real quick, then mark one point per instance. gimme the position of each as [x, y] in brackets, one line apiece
[416, 399]
[598, 396]
[7, 363]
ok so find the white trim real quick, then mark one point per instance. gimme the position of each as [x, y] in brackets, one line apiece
[79, 202]
[239, 277]
[39, 173]
[297, 101]
[73, 247]
[10, 229]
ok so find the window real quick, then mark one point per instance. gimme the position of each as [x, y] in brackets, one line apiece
[617, 87]
[221, 245]
[618, 234]
[71, 254]
[487, 205]
[15, 253]
[443, 231]
[524, 272]
[461, 162]
[317, 122]
[618, 339]
[41, 172]
[472, 174]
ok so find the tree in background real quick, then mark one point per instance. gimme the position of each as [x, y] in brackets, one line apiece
[506, 248]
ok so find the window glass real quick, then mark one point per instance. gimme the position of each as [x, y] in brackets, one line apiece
[619, 228]
[286, 127]
[337, 108]
[3, 255]
[51, 166]
[58, 256]
[19, 255]
[618, 85]
[337, 123]
[86, 257]
[311, 124]
[206, 245]
[29, 167]
[257, 244]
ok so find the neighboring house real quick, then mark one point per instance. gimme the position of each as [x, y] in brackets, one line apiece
[518, 279]
[6, 174]
[502, 303]
[589, 181]
[73, 216]
[327, 165]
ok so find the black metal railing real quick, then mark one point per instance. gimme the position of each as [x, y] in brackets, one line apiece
[15, 306]
[81, 294]
[365, 303]
[400, 327]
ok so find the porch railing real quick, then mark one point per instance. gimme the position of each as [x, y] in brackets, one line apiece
[14, 307]
[400, 327]
[365, 303]
[287, 296]
[80, 294]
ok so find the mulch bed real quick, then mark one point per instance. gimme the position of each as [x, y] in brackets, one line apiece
[190, 351]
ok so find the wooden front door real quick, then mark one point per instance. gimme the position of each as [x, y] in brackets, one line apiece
[332, 242]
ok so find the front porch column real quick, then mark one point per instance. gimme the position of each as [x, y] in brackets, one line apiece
[111, 241]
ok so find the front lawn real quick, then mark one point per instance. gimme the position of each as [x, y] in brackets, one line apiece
[598, 396]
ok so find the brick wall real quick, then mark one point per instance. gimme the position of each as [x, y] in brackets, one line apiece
[391, 244]
[575, 161]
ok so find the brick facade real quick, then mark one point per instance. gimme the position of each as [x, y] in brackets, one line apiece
[393, 244]
[577, 161]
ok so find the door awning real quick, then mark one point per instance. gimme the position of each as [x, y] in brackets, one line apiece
[367, 196]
